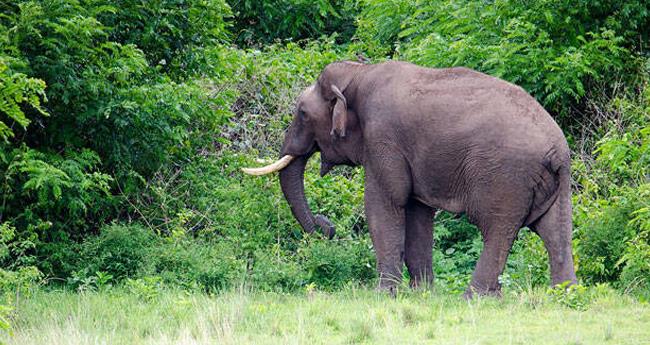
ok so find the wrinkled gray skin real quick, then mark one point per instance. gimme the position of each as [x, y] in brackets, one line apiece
[451, 139]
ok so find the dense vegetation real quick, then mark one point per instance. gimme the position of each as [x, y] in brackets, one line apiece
[123, 125]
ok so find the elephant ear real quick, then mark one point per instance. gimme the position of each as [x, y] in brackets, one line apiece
[339, 113]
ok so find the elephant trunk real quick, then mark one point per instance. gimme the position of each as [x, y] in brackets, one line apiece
[293, 187]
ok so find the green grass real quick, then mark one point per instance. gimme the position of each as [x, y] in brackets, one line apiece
[351, 316]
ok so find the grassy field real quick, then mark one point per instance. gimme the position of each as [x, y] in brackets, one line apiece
[348, 317]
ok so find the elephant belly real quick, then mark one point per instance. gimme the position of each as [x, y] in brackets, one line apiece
[435, 194]
[475, 184]
[449, 205]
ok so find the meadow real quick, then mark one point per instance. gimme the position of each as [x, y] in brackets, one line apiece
[349, 316]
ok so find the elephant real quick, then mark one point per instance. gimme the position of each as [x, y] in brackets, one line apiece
[430, 139]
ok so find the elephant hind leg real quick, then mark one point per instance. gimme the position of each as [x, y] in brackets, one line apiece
[555, 229]
[419, 243]
[497, 242]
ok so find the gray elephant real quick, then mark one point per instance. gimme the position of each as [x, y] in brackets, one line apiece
[451, 139]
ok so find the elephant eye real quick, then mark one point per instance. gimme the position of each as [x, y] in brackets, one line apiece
[302, 114]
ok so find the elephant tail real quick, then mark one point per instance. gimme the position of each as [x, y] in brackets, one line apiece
[549, 184]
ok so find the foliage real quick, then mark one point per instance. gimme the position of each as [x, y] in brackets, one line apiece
[114, 119]
[102, 92]
[550, 57]
[170, 33]
[457, 247]
[47, 197]
[17, 90]
[329, 265]
[266, 237]
[380, 23]
[146, 288]
[612, 217]
[555, 49]
[268, 21]
[14, 284]
[198, 265]
[572, 296]
[119, 250]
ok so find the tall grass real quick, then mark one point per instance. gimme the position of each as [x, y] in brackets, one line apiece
[351, 316]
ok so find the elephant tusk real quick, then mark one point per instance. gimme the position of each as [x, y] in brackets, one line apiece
[273, 167]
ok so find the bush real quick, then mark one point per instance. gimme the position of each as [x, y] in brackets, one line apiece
[120, 250]
[611, 217]
[528, 265]
[54, 196]
[602, 241]
[206, 266]
[331, 264]
[457, 246]
[380, 23]
[274, 270]
[171, 33]
[102, 93]
[556, 50]
[268, 21]
[18, 90]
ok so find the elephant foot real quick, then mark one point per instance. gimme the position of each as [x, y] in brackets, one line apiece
[326, 226]
[389, 283]
[421, 283]
[472, 292]
[390, 290]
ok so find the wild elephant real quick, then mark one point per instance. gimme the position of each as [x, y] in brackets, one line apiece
[451, 139]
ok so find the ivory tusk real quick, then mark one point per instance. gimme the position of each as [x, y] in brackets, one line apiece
[273, 167]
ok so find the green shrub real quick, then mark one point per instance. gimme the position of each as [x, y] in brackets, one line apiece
[611, 217]
[208, 266]
[527, 45]
[331, 264]
[147, 288]
[457, 246]
[380, 23]
[17, 90]
[170, 33]
[5, 326]
[602, 240]
[635, 276]
[574, 296]
[268, 21]
[528, 266]
[274, 270]
[102, 93]
[23, 281]
[119, 250]
[51, 193]
[267, 83]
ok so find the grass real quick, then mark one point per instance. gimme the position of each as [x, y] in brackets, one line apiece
[352, 316]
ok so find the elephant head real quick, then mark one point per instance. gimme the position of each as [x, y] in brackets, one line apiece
[325, 121]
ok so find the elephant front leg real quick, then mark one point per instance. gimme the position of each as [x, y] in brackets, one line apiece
[386, 221]
[419, 243]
